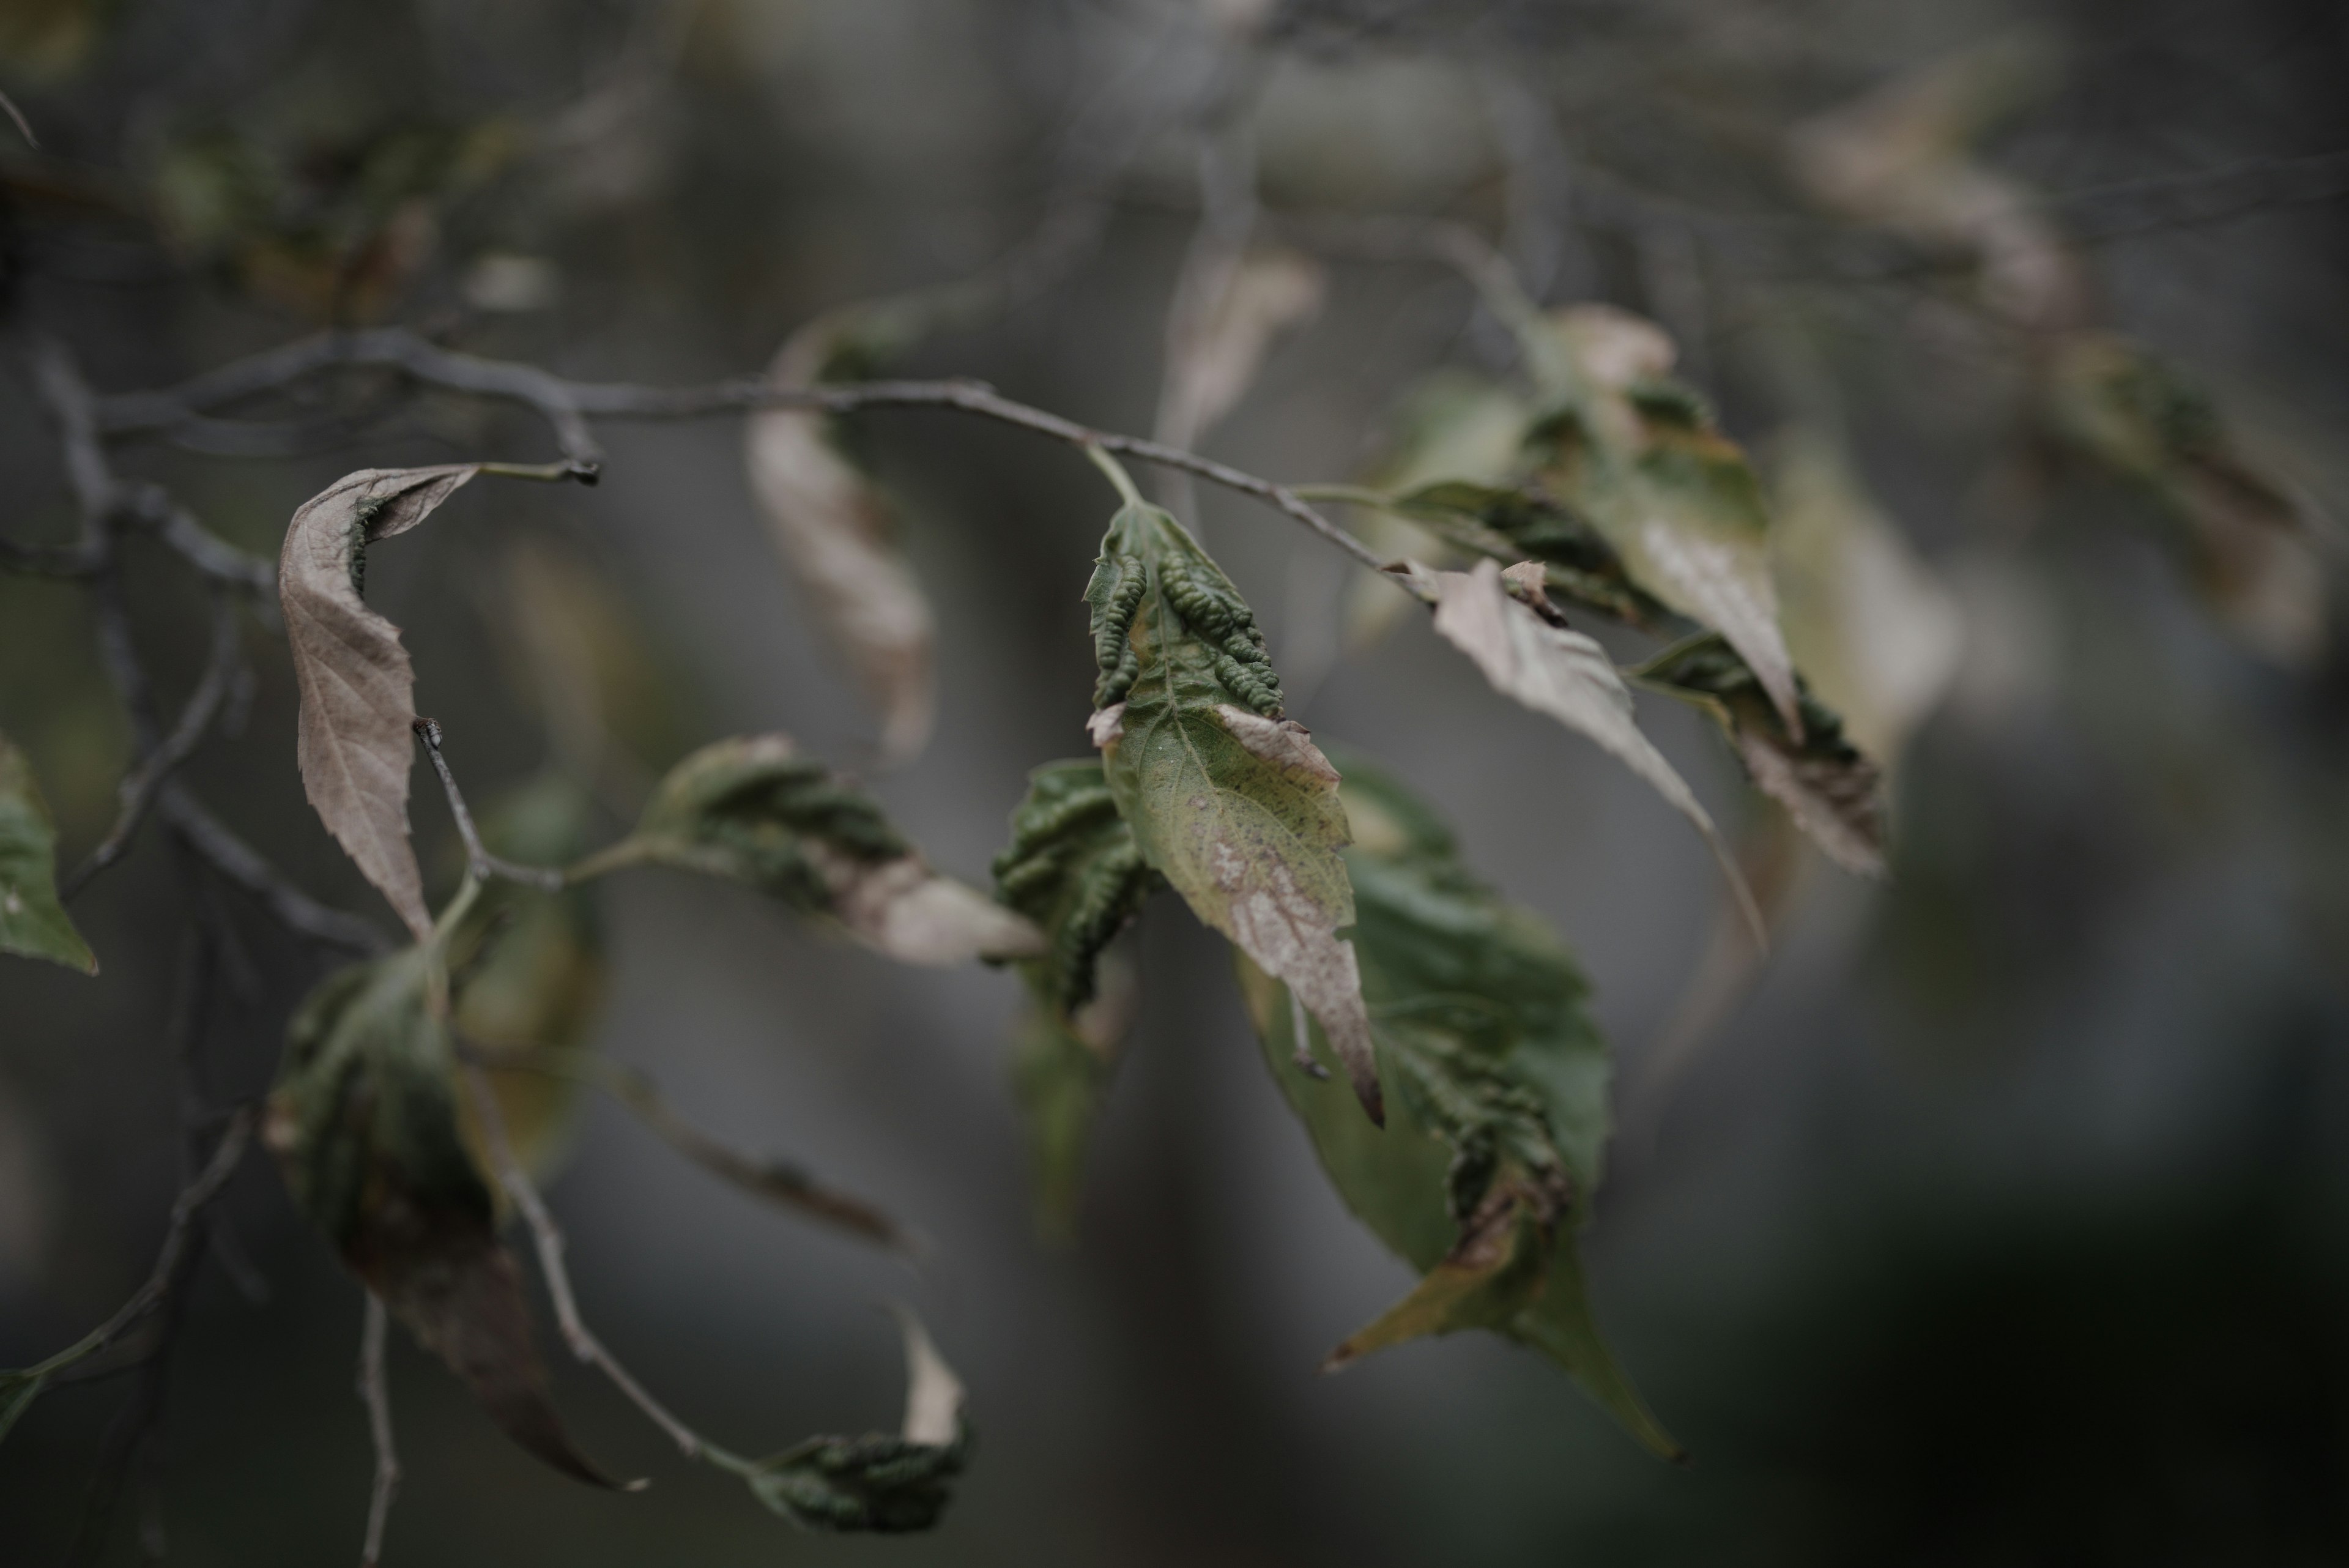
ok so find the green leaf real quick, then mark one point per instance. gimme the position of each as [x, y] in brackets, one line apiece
[1831, 789]
[1072, 869]
[1229, 800]
[2245, 537]
[879, 1483]
[752, 810]
[1511, 523]
[1499, 1110]
[364, 1121]
[32, 921]
[527, 973]
[1639, 455]
[18, 1392]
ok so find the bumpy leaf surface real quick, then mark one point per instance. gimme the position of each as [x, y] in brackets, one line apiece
[880, 1483]
[1499, 1109]
[364, 1121]
[32, 922]
[1229, 800]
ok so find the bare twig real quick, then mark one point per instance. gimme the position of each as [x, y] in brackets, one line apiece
[141, 785]
[478, 858]
[375, 1392]
[16, 117]
[549, 1239]
[240, 863]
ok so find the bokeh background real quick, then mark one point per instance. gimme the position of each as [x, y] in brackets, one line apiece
[2002, 1217]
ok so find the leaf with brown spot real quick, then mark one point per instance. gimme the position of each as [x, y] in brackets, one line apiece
[364, 1121]
[358, 688]
[836, 530]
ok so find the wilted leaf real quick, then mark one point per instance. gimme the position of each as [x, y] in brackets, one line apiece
[1227, 799]
[1508, 523]
[32, 922]
[889, 1485]
[752, 810]
[835, 529]
[357, 687]
[2253, 557]
[1555, 671]
[1876, 636]
[1831, 789]
[1072, 869]
[527, 973]
[1639, 455]
[1499, 1106]
[364, 1121]
[1211, 367]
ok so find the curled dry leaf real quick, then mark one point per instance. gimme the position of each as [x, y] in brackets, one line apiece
[1832, 789]
[1640, 456]
[364, 1121]
[1498, 1105]
[1071, 868]
[880, 1483]
[357, 689]
[837, 532]
[32, 922]
[1212, 366]
[1244, 823]
[752, 810]
[2247, 535]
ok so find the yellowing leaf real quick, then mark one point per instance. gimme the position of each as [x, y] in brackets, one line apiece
[2248, 539]
[1231, 802]
[883, 1484]
[1211, 367]
[835, 530]
[1640, 456]
[358, 688]
[1497, 1105]
[32, 922]
[364, 1121]
[752, 810]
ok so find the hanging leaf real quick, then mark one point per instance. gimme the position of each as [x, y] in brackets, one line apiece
[887, 1485]
[1516, 525]
[2253, 552]
[1639, 455]
[754, 811]
[1071, 868]
[1875, 634]
[1230, 801]
[364, 1121]
[32, 922]
[1499, 1104]
[1827, 785]
[527, 973]
[836, 530]
[1211, 366]
[357, 689]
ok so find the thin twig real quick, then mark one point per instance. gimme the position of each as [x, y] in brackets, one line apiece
[141, 785]
[483, 864]
[549, 1239]
[375, 1392]
[240, 864]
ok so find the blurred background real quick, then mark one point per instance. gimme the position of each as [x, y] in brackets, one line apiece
[2001, 1216]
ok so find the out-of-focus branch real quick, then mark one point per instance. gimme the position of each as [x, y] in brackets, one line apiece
[375, 1392]
[239, 862]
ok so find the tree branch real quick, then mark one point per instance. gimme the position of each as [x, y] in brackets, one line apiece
[376, 1393]
[482, 863]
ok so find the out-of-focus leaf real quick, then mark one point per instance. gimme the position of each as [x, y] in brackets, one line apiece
[48, 38]
[1453, 428]
[357, 686]
[836, 530]
[1639, 455]
[1499, 1110]
[18, 1392]
[32, 922]
[752, 810]
[364, 1121]
[585, 659]
[1211, 367]
[1230, 801]
[1832, 790]
[1903, 156]
[2248, 538]
[1534, 659]
[1873, 631]
[883, 1484]
[527, 973]
[1071, 868]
